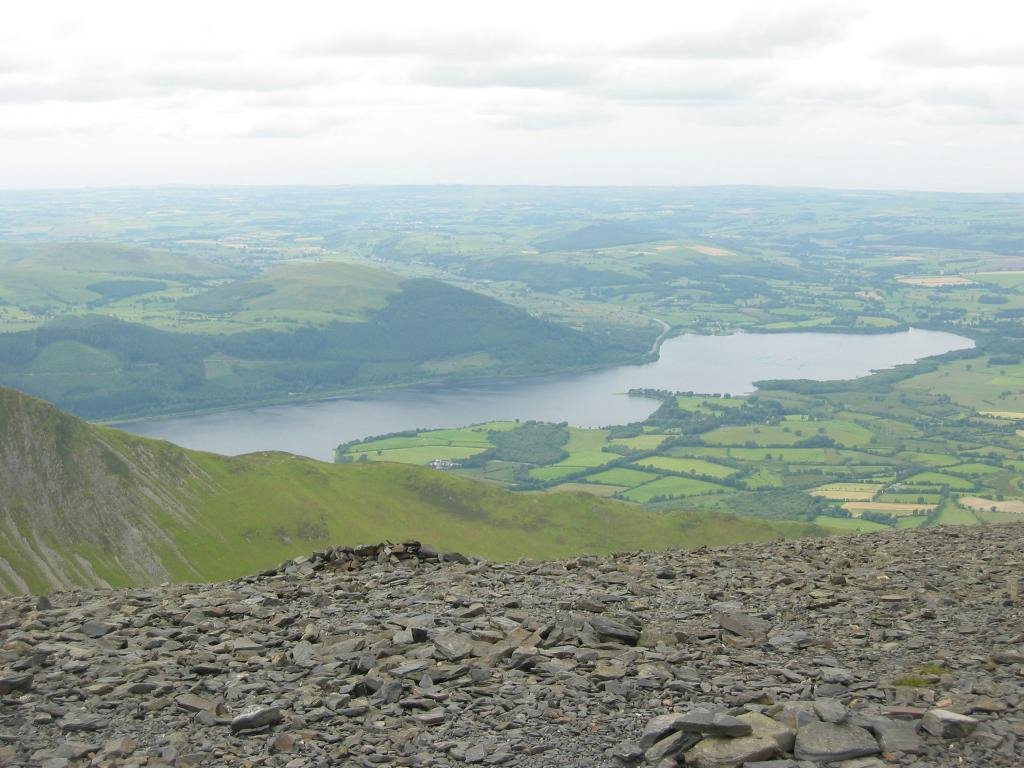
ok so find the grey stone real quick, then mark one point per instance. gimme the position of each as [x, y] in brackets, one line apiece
[433, 717]
[897, 736]
[72, 750]
[668, 746]
[83, 721]
[612, 629]
[453, 646]
[97, 629]
[713, 724]
[794, 714]
[948, 725]
[658, 728]
[830, 710]
[744, 625]
[628, 752]
[769, 728]
[257, 719]
[15, 684]
[723, 752]
[831, 742]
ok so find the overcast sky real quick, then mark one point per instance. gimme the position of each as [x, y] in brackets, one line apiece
[869, 93]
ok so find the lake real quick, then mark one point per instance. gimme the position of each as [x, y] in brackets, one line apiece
[698, 363]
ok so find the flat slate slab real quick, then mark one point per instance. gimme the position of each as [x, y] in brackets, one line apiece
[829, 742]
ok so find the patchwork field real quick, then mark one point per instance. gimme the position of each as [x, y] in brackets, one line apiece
[859, 507]
[200, 303]
[979, 504]
[990, 385]
[936, 281]
[861, 458]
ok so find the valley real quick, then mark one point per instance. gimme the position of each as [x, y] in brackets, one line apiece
[593, 399]
[86, 505]
[826, 362]
[887, 450]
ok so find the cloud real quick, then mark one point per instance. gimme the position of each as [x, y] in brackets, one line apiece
[234, 78]
[550, 121]
[292, 127]
[688, 89]
[157, 83]
[31, 91]
[538, 74]
[471, 45]
[936, 52]
[756, 36]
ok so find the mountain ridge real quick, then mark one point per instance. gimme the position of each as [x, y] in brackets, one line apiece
[87, 505]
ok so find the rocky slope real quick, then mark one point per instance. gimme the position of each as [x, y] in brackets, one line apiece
[888, 649]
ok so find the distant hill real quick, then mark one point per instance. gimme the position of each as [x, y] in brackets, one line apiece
[386, 332]
[603, 234]
[105, 258]
[317, 292]
[87, 505]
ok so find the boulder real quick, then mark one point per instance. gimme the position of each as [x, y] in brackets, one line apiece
[824, 742]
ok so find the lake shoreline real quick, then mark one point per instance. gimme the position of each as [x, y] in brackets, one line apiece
[715, 364]
[356, 393]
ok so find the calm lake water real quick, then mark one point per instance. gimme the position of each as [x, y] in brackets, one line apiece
[697, 363]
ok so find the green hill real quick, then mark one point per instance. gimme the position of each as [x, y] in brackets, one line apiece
[395, 333]
[87, 505]
[601, 234]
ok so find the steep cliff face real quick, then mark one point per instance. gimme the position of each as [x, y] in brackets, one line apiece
[83, 505]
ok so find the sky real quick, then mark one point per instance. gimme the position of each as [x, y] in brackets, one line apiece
[884, 94]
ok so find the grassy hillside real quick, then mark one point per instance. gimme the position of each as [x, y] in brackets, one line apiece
[291, 296]
[89, 505]
[381, 332]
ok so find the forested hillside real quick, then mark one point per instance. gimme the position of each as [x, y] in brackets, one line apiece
[102, 367]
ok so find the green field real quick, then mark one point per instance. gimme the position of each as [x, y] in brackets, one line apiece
[976, 383]
[585, 449]
[937, 478]
[846, 524]
[671, 487]
[902, 461]
[787, 434]
[688, 466]
[628, 478]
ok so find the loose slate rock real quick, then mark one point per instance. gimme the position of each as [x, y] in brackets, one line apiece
[831, 742]
[15, 683]
[830, 710]
[709, 723]
[257, 719]
[722, 752]
[612, 629]
[453, 646]
[770, 728]
[341, 649]
[948, 725]
[658, 728]
[96, 629]
[897, 736]
[628, 752]
[670, 745]
[744, 625]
